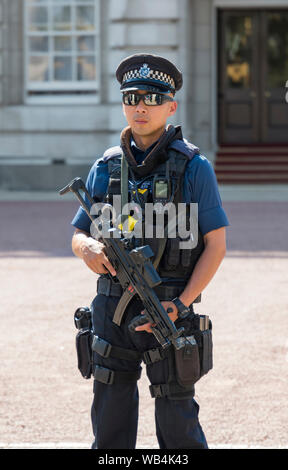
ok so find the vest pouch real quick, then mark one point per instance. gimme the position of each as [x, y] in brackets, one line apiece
[205, 344]
[84, 352]
[171, 258]
[186, 257]
[207, 352]
[187, 362]
[154, 245]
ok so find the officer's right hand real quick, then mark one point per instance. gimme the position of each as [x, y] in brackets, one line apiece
[94, 256]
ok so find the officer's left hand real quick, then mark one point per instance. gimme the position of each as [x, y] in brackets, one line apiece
[173, 316]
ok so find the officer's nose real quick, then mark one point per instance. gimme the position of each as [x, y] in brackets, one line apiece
[141, 107]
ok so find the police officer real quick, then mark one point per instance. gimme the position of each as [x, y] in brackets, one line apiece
[160, 165]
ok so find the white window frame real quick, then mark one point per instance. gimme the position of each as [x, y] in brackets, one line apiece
[62, 86]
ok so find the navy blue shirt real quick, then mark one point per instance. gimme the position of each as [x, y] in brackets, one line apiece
[199, 186]
[139, 154]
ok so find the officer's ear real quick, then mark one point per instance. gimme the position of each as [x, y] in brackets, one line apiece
[173, 107]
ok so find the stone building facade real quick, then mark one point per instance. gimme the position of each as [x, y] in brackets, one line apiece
[48, 135]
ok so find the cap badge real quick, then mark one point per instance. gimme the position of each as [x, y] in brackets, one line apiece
[144, 71]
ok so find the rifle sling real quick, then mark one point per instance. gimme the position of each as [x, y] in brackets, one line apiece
[124, 185]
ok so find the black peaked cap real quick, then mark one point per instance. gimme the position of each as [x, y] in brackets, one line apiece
[148, 72]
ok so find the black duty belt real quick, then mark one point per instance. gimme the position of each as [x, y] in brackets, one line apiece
[164, 292]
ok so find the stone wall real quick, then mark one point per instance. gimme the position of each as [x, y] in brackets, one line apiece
[200, 93]
[41, 135]
[1, 51]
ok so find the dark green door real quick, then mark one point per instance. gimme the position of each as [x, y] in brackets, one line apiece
[253, 71]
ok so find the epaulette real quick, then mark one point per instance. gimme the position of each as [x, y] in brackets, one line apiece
[185, 147]
[111, 153]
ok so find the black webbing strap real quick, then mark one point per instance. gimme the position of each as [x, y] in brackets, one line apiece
[155, 355]
[105, 349]
[166, 390]
[178, 163]
[114, 171]
[124, 183]
[109, 377]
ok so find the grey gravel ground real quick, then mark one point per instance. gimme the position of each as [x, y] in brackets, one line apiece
[45, 403]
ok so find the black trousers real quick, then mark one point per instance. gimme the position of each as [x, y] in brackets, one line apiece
[114, 411]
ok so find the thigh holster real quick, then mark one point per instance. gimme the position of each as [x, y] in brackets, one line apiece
[171, 387]
[82, 321]
[185, 365]
[109, 376]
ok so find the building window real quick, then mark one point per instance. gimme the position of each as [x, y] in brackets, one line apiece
[62, 44]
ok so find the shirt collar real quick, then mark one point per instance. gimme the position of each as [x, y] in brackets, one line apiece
[139, 154]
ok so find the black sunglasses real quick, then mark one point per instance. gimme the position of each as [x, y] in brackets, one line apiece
[149, 99]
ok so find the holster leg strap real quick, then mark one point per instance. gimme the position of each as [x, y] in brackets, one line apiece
[165, 390]
[109, 377]
[155, 355]
[105, 349]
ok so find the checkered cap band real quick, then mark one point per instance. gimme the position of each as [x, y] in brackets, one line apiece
[153, 74]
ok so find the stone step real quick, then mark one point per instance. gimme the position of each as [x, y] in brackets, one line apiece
[252, 164]
[252, 158]
[239, 149]
[263, 168]
[248, 177]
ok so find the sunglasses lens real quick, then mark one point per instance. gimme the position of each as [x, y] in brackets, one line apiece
[130, 99]
[154, 99]
[150, 99]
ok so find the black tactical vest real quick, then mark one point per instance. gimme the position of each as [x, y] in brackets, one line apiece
[170, 260]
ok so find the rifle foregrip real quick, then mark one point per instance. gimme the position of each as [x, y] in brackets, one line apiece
[137, 321]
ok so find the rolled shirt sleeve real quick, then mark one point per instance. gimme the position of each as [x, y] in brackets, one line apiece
[200, 186]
